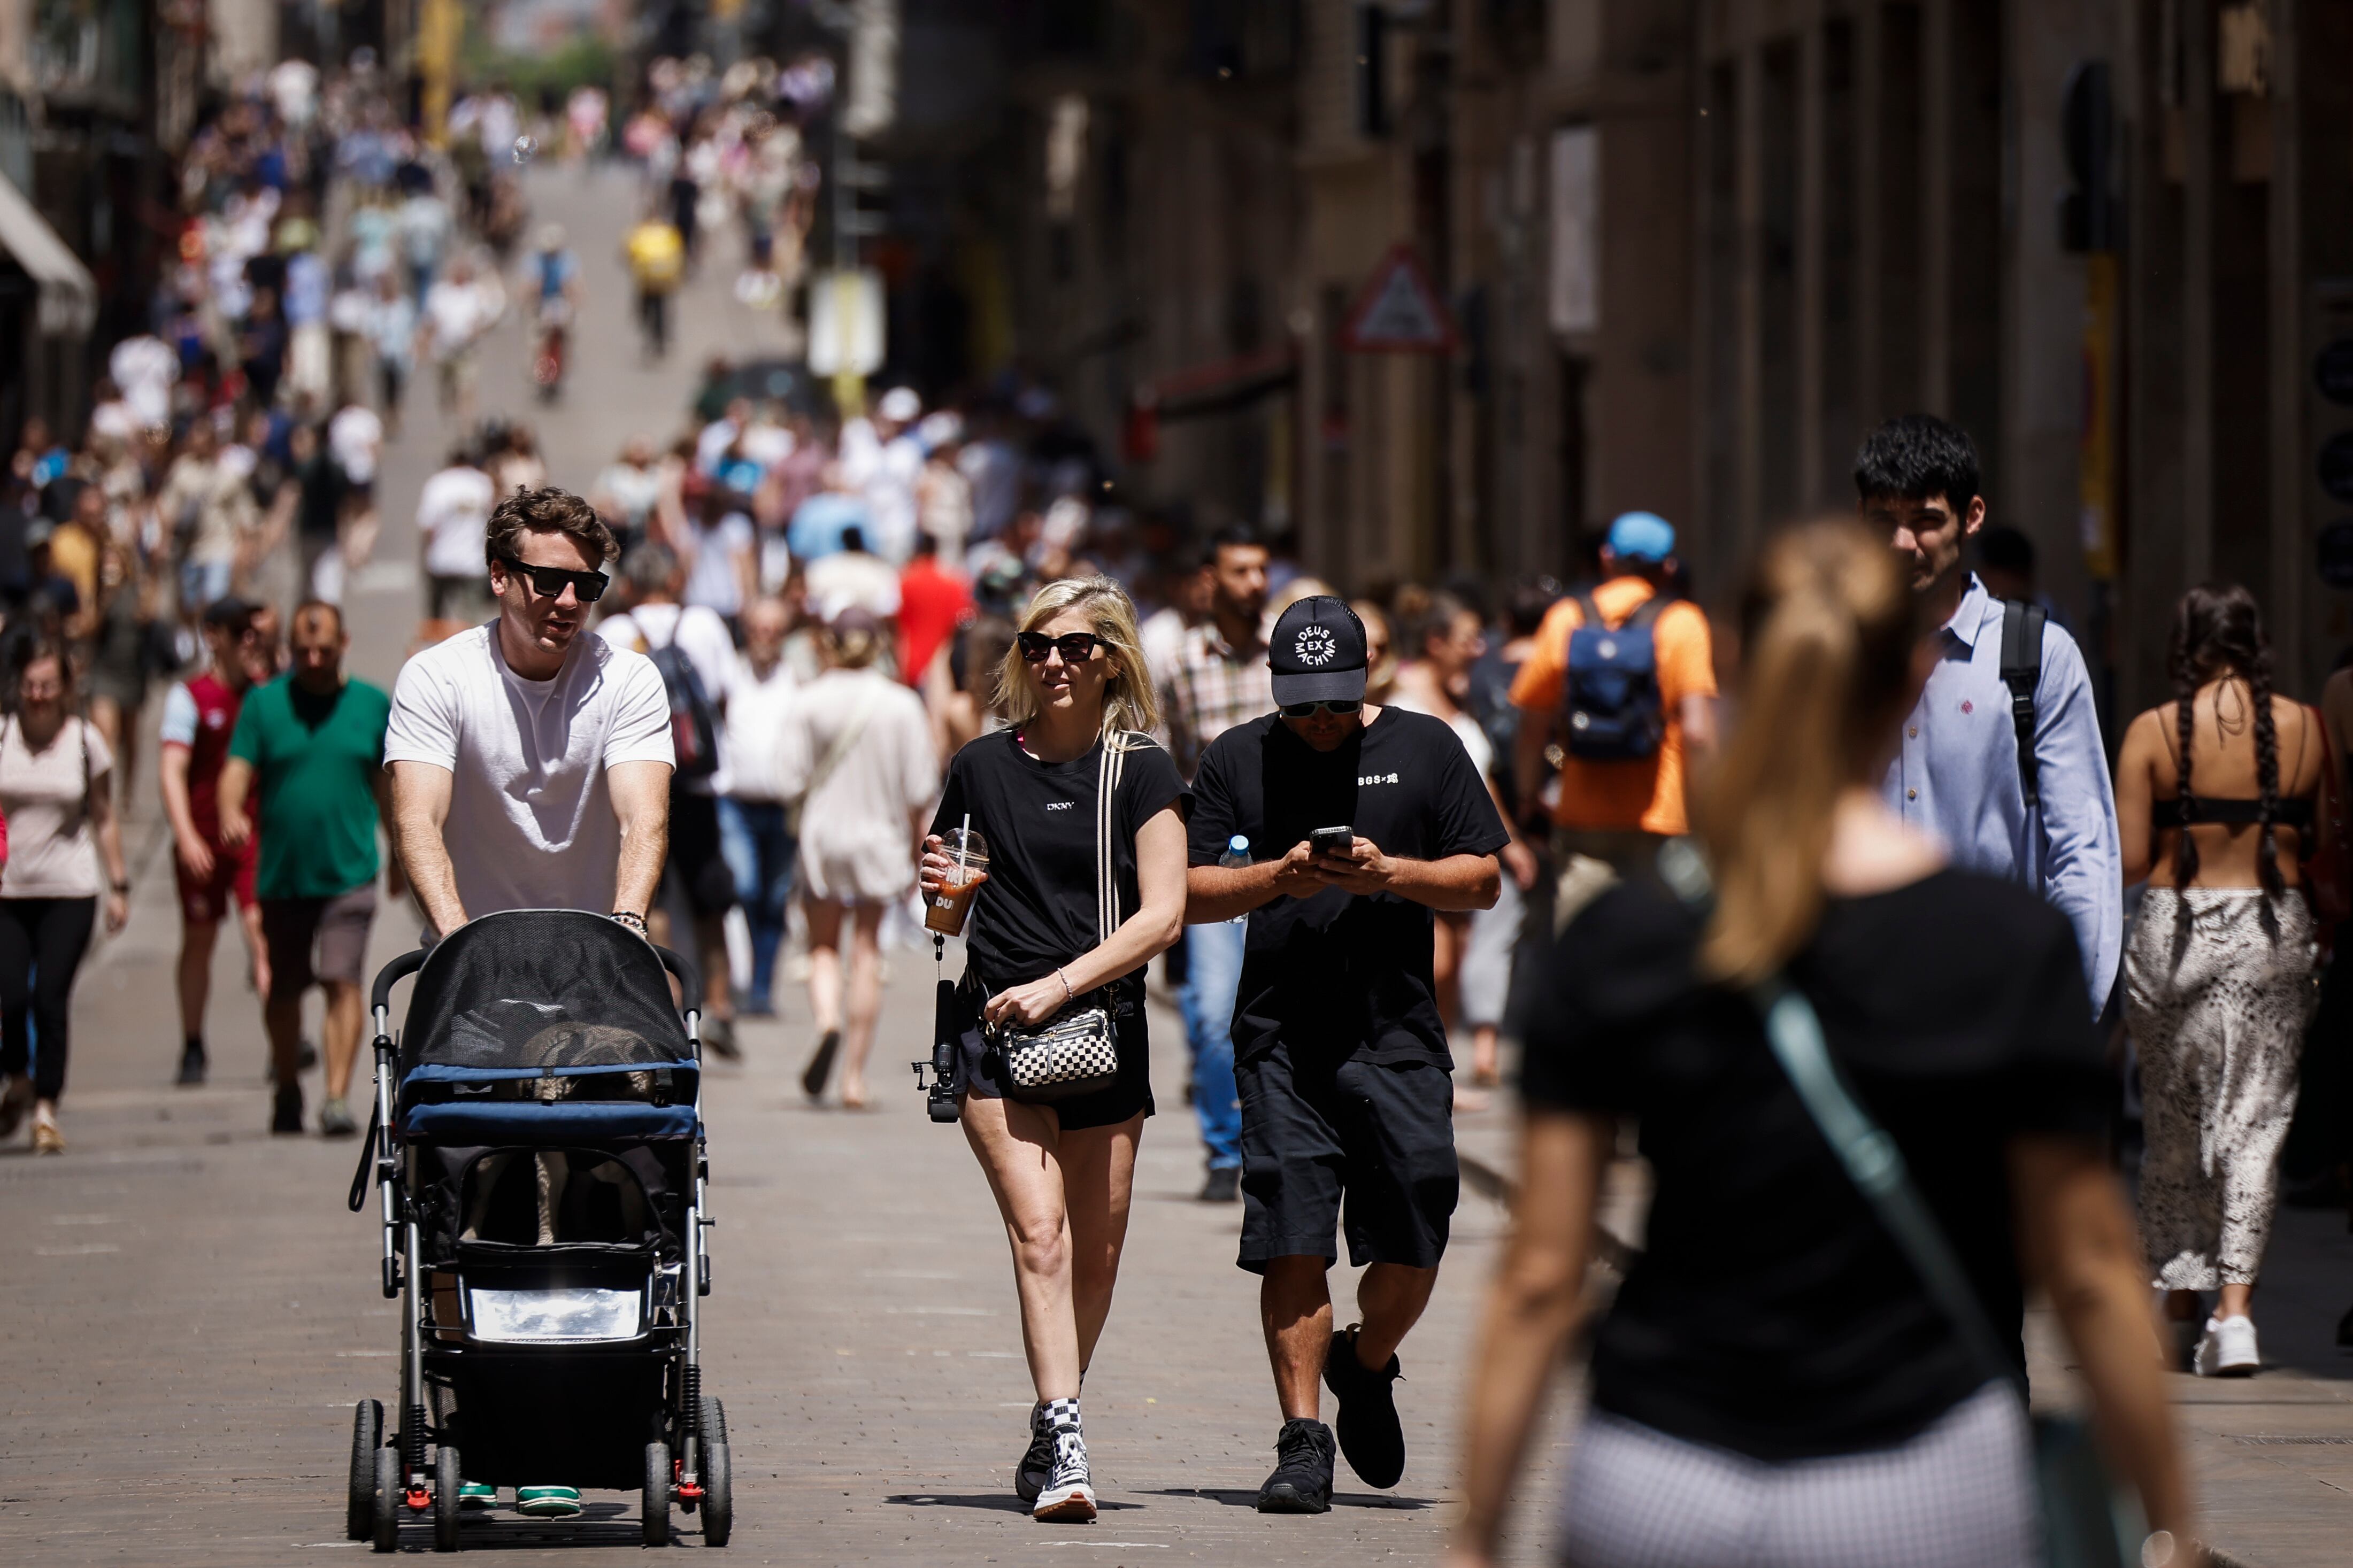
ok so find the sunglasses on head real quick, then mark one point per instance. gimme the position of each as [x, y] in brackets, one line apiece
[548, 580]
[1338, 709]
[1076, 646]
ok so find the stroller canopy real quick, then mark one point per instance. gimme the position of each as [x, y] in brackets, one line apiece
[527, 993]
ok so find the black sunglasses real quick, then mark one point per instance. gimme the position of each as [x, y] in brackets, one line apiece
[1076, 646]
[548, 580]
[1307, 710]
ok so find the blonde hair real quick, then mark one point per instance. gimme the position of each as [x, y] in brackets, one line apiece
[1828, 629]
[1129, 700]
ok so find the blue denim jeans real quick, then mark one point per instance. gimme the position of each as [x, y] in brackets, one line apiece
[1213, 974]
[759, 851]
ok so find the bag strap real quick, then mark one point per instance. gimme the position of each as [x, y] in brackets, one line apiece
[836, 753]
[1589, 615]
[2021, 671]
[1107, 776]
[1865, 1150]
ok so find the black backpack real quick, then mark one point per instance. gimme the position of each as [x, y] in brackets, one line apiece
[693, 717]
[1611, 708]
[2021, 671]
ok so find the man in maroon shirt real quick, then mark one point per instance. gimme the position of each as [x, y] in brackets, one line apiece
[199, 716]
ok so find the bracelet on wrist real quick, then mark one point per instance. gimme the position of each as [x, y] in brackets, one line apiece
[123, 885]
[1067, 992]
[631, 918]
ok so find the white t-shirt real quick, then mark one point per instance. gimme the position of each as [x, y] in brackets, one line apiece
[711, 577]
[453, 512]
[355, 435]
[458, 314]
[51, 854]
[704, 638]
[531, 822]
[851, 579]
[756, 711]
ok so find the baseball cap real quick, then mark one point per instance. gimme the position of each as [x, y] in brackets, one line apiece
[1318, 652]
[1641, 536]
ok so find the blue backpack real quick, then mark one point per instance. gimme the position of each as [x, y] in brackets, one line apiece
[1611, 710]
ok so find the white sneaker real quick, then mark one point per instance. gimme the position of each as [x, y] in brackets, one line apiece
[1070, 1493]
[2227, 1349]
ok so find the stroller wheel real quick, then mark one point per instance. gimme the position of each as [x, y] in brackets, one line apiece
[447, 1484]
[656, 1498]
[718, 1485]
[367, 1436]
[387, 1501]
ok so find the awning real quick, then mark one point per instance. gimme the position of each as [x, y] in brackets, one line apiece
[69, 294]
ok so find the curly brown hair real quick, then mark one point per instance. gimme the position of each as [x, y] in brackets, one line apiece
[546, 510]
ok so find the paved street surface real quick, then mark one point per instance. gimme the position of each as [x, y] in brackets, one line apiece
[189, 1309]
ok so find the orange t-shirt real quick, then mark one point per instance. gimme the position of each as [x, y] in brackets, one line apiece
[1647, 792]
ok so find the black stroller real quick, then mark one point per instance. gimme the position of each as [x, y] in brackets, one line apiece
[538, 1152]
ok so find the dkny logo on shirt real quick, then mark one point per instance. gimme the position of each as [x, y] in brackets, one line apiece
[1363, 779]
[1060, 804]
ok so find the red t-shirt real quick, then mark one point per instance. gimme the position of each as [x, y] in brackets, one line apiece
[931, 601]
[201, 714]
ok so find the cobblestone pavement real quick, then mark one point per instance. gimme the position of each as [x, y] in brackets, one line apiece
[190, 1310]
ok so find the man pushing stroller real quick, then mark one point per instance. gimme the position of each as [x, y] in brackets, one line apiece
[531, 764]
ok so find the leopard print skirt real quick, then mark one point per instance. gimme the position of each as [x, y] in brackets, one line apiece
[2219, 986]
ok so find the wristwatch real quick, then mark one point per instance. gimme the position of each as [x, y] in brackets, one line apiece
[122, 887]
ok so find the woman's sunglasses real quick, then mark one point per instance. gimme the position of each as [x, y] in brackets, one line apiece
[1307, 710]
[548, 580]
[1077, 647]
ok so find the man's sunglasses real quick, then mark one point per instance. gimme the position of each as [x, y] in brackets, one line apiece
[1076, 646]
[1307, 710]
[548, 580]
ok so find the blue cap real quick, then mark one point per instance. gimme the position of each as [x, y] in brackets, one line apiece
[1641, 536]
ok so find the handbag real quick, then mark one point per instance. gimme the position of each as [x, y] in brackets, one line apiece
[2087, 1520]
[1076, 1051]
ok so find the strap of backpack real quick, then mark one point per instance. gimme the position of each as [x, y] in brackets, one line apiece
[1646, 612]
[1589, 618]
[2021, 671]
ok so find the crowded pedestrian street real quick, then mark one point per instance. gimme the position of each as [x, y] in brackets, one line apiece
[1152, 782]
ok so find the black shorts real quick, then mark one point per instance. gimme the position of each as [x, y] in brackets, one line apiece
[1381, 1133]
[979, 1071]
[695, 860]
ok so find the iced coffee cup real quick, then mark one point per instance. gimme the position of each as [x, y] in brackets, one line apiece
[944, 909]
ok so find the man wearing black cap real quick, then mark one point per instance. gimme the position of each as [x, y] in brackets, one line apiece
[1366, 820]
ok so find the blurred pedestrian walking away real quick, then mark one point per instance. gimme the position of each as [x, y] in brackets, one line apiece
[62, 832]
[856, 755]
[1775, 1386]
[2023, 795]
[1084, 819]
[755, 833]
[2216, 798]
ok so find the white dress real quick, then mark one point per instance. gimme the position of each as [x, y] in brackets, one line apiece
[856, 846]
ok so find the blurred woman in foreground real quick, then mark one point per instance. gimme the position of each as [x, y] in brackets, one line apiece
[1774, 1384]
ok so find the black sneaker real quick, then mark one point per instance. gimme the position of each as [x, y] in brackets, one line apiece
[287, 1115]
[1367, 1419]
[719, 1037]
[191, 1064]
[1224, 1184]
[1036, 1466]
[1302, 1482]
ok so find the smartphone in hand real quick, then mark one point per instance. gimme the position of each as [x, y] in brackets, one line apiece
[1331, 840]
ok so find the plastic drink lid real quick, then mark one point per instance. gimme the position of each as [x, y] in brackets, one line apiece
[1237, 843]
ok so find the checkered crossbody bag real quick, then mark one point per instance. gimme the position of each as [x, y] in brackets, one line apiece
[1076, 1051]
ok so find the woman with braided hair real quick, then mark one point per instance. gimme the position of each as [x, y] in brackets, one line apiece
[2216, 801]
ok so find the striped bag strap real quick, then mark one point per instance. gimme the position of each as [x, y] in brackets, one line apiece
[1114, 762]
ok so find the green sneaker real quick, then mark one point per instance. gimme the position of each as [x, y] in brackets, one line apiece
[474, 1494]
[547, 1502]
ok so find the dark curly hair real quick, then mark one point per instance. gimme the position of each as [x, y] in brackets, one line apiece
[547, 510]
[1916, 456]
[2217, 633]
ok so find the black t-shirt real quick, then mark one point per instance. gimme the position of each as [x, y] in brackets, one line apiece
[1037, 910]
[1338, 972]
[1770, 1314]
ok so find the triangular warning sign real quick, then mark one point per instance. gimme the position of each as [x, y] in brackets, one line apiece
[1398, 311]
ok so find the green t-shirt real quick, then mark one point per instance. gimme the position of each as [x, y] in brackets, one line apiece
[315, 761]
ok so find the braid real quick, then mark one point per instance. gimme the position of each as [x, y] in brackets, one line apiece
[2267, 773]
[2185, 708]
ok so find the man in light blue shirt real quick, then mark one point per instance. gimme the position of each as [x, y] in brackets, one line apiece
[1957, 772]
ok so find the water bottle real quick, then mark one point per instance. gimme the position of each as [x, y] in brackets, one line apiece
[1236, 857]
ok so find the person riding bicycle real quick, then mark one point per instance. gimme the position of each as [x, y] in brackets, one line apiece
[553, 285]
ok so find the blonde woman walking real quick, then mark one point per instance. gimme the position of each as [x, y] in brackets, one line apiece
[857, 754]
[1083, 817]
[2215, 799]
